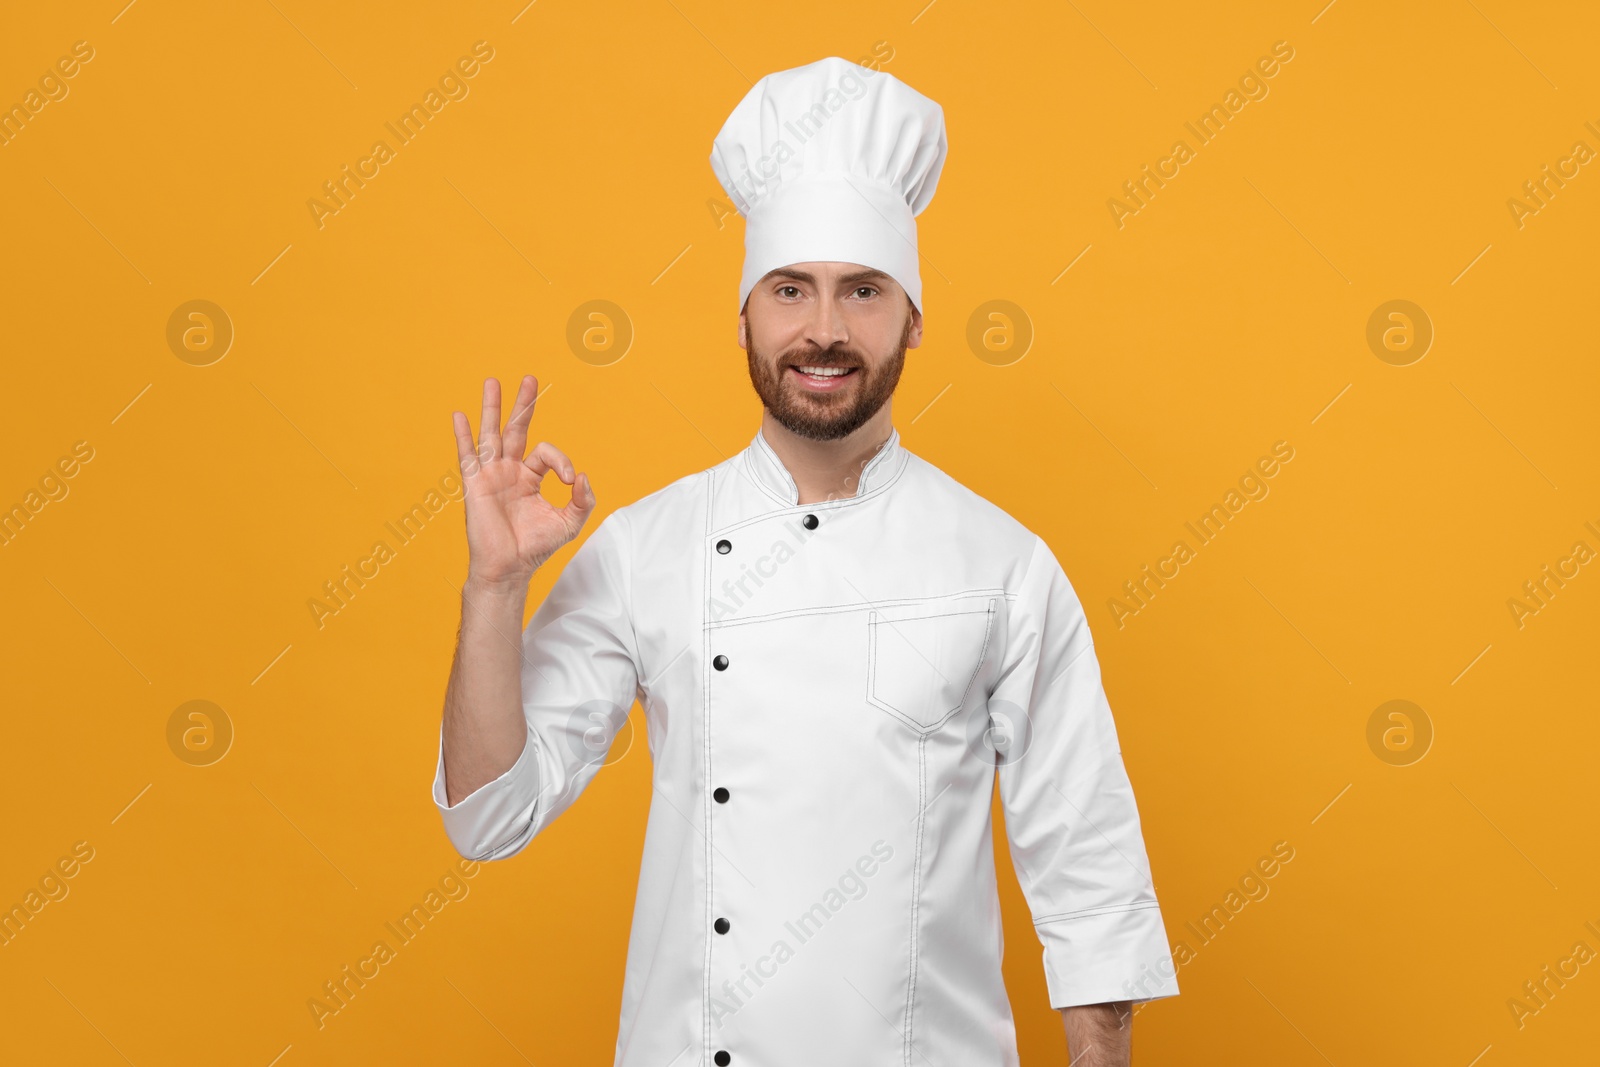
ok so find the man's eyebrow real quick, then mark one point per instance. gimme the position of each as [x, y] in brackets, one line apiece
[854, 277]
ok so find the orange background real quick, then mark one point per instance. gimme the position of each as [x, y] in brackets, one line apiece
[1228, 314]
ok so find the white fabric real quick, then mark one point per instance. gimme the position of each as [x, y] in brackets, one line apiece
[831, 162]
[854, 856]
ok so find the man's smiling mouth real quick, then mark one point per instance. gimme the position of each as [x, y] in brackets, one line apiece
[823, 378]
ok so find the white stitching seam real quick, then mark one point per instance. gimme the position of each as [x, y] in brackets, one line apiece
[705, 743]
[1107, 909]
[866, 605]
[916, 892]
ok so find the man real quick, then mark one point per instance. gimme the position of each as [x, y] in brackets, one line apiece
[838, 649]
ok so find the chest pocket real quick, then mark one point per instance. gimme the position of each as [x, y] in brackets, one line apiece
[922, 659]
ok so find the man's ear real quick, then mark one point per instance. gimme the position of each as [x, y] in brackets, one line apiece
[914, 329]
[744, 332]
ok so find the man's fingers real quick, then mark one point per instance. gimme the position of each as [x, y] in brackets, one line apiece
[464, 451]
[489, 427]
[545, 458]
[582, 503]
[515, 440]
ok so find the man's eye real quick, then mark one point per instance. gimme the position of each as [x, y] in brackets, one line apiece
[785, 289]
[866, 289]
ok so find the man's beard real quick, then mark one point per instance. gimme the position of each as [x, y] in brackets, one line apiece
[825, 416]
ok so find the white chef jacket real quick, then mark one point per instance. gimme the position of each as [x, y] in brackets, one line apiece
[830, 690]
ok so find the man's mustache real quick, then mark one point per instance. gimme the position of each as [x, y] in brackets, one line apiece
[818, 358]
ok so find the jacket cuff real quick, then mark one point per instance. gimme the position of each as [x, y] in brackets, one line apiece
[496, 819]
[1107, 955]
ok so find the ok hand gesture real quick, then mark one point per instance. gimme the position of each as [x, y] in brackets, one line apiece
[511, 528]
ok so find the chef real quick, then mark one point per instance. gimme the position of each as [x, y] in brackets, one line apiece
[837, 648]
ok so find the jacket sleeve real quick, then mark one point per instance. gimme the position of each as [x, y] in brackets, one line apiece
[1069, 809]
[580, 674]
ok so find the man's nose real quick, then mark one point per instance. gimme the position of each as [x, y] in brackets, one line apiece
[826, 326]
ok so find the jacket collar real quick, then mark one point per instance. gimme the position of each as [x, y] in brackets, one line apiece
[769, 474]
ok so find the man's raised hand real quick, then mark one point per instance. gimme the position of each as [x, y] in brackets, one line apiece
[511, 529]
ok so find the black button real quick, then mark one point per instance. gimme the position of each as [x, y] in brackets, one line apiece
[721, 926]
[720, 795]
[722, 1059]
[809, 522]
[724, 546]
[720, 663]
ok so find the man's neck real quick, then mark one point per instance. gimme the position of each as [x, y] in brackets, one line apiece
[827, 470]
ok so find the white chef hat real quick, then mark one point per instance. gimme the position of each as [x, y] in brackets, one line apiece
[831, 162]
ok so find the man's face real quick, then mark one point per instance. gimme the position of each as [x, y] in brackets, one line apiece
[826, 344]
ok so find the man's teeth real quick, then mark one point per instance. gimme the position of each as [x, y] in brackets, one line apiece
[825, 372]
